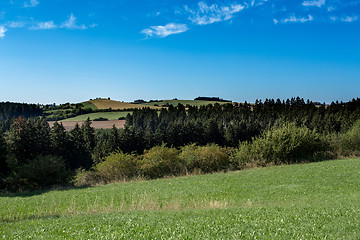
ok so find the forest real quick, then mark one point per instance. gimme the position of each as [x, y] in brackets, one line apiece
[173, 141]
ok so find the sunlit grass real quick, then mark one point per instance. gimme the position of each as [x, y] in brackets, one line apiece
[310, 201]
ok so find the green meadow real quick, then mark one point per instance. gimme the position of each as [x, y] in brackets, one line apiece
[306, 201]
[92, 116]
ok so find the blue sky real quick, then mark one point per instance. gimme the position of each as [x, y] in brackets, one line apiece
[62, 50]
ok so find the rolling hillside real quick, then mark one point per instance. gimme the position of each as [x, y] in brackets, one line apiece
[115, 105]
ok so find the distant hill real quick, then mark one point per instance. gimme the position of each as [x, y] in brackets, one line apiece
[198, 103]
[101, 103]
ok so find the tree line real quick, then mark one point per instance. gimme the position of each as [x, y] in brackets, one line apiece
[29, 147]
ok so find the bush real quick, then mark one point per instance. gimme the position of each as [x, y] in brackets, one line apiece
[116, 167]
[41, 172]
[161, 161]
[209, 158]
[282, 145]
[348, 144]
[84, 178]
[100, 119]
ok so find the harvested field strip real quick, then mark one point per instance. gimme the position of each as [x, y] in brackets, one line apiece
[68, 125]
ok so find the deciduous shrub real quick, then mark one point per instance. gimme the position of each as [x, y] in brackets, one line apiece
[282, 145]
[161, 161]
[209, 158]
[116, 167]
[348, 144]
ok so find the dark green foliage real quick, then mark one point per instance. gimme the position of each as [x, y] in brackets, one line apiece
[282, 145]
[100, 119]
[3, 156]
[40, 172]
[80, 155]
[89, 135]
[14, 110]
[28, 139]
[348, 144]
[106, 143]
[228, 124]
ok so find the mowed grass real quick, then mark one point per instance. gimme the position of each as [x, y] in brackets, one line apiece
[197, 103]
[88, 104]
[116, 105]
[310, 201]
[92, 116]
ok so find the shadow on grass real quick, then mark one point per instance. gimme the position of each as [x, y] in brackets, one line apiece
[29, 193]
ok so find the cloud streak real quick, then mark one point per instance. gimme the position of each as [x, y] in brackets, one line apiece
[314, 3]
[71, 23]
[206, 14]
[2, 31]
[349, 19]
[164, 31]
[44, 26]
[32, 3]
[294, 19]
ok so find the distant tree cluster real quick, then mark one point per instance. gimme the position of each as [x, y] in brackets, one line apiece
[229, 124]
[9, 111]
[215, 99]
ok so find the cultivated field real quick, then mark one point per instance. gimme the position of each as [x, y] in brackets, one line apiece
[307, 201]
[68, 125]
[115, 105]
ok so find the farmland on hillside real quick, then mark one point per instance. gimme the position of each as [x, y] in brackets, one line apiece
[115, 105]
[305, 201]
[69, 125]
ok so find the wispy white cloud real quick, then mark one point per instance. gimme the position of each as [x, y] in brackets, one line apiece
[93, 25]
[16, 24]
[164, 31]
[294, 19]
[206, 14]
[349, 19]
[330, 9]
[32, 3]
[2, 31]
[72, 24]
[44, 26]
[314, 3]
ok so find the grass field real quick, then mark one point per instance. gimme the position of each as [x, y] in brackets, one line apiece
[183, 102]
[88, 104]
[92, 116]
[310, 201]
[115, 105]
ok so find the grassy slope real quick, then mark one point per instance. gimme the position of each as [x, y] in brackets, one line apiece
[92, 116]
[88, 104]
[311, 201]
[183, 102]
